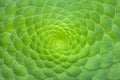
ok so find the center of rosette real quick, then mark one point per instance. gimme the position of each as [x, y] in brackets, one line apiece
[57, 39]
[59, 42]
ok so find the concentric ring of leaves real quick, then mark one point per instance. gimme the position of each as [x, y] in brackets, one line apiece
[59, 39]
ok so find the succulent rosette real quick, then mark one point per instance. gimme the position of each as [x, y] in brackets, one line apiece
[59, 39]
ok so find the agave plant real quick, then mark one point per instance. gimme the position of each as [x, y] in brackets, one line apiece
[59, 39]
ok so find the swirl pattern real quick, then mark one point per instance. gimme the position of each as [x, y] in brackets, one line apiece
[59, 39]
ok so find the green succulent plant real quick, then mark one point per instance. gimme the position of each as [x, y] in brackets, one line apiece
[59, 39]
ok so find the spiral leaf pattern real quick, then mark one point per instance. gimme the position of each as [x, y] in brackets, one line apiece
[59, 39]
